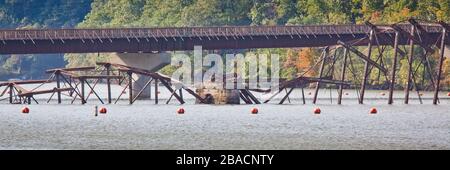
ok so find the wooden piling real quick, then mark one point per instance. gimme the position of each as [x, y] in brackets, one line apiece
[394, 68]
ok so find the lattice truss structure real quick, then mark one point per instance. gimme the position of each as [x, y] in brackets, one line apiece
[374, 58]
[405, 39]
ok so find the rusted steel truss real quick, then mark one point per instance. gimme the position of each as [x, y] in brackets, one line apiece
[340, 43]
[416, 33]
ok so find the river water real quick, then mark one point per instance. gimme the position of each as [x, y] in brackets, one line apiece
[145, 125]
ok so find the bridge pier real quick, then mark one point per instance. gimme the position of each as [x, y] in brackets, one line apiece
[147, 61]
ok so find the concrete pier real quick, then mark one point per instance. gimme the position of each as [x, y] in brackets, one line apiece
[148, 61]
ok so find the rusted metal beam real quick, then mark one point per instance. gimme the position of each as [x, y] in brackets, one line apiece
[410, 37]
[286, 96]
[83, 100]
[31, 93]
[158, 77]
[58, 85]
[156, 91]
[419, 27]
[190, 91]
[95, 93]
[70, 69]
[344, 66]
[142, 90]
[250, 96]
[378, 29]
[410, 64]
[426, 37]
[303, 96]
[244, 98]
[108, 82]
[441, 62]
[366, 68]
[166, 84]
[394, 69]
[10, 93]
[130, 87]
[362, 56]
[19, 82]
[97, 77]
[322, 66]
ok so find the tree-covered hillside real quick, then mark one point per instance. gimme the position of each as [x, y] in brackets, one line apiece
[161, 13]
[20, 14]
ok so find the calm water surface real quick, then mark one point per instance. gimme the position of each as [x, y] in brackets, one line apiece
[289, 126]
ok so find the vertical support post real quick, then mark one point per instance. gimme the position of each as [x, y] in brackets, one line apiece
[324, 58]
[181, 93]
[156, 91]
[108, 81]
[70, 84]
[150, 91]
[441, 62]
[130, 87]
[286, 96]
[303, 96]
[341, 86]
[11, 88]
[394, 68]
[58, 85]
[366, 68]
[28, 100]
[410, 65]
[83, 101]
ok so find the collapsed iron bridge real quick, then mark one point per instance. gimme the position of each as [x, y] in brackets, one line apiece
[402, 37]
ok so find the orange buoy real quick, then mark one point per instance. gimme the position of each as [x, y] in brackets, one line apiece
[373, 110]
[103, 110]
[448, 94]
[317, 110]
[180, 111]
[254, 110]
[25, 110]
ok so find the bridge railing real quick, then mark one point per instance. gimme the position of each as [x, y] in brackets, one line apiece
[203, 32]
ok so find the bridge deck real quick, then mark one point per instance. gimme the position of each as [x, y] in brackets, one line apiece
[194, 32]
[184, 38]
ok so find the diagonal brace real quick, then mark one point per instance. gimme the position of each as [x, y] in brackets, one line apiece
[362, 56]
